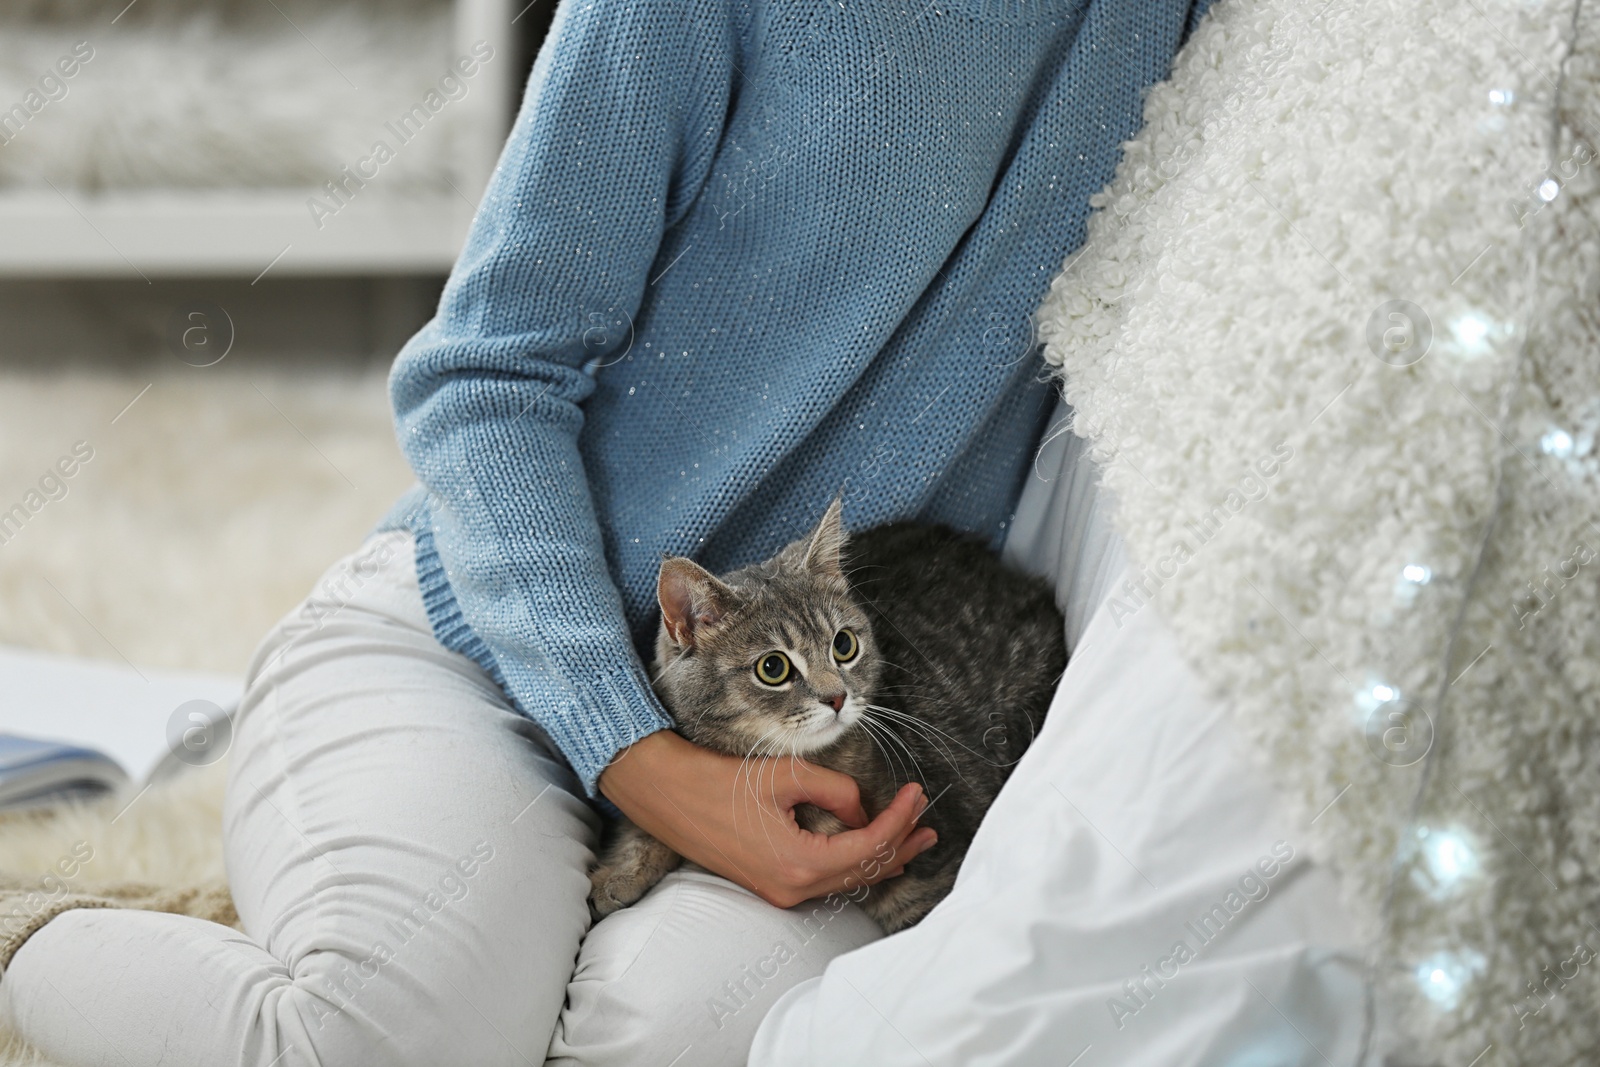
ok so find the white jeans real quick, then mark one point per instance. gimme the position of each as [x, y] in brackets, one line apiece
[409, 859]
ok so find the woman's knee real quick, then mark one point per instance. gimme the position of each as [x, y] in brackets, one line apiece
[691, 969]
[343, 1008]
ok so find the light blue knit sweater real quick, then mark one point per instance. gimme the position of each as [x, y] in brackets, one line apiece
[738, 256]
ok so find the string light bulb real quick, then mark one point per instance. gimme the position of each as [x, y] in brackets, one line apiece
[1557, 442]
[1470, 330]
[1445, 975]
[1448, 861]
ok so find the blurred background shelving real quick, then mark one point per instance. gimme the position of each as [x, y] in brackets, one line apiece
[209, 170]
[167, 178]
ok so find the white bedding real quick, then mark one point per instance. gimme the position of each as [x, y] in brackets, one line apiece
[1133, 815]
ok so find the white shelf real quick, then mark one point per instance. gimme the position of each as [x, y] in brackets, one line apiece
[49, 234]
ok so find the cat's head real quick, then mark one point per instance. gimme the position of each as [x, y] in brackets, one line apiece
[775, 658]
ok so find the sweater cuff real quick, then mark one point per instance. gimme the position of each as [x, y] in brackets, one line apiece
[618, 710]
[603, 714]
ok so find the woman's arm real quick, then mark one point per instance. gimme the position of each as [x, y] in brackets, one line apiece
[622, 118]
[615, 137]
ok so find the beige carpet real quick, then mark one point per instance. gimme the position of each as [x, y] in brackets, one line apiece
[208, 509]
[171, 835]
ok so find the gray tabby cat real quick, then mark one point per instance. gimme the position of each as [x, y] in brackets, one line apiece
[908, 653]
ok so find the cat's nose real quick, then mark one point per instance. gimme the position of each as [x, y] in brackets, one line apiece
[836, 701]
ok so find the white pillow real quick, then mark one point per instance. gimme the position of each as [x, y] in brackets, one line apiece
[1133, 826]
[1062, 529]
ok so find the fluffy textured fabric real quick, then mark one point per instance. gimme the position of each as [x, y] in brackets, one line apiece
[204, 514]
[180, 95]
[170, 839]
[796, 248]
[1316, 520]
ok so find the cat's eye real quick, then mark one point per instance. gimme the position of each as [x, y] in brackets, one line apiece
[773, 668]
[845, 645]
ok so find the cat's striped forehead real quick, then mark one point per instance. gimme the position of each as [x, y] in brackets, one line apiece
[788, 611]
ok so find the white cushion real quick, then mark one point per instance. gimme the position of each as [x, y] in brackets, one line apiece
[1134, 817]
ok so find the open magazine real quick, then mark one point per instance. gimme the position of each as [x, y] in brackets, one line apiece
[34, 772]
[75, 729]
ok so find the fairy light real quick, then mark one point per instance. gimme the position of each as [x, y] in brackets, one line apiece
[1374, 693]
[1416, 573]
[1445, 975]
[1448, 861]
[1557, 442]
[1470, 330]
[1449, 857]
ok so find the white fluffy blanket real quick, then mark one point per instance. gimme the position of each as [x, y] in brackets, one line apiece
[1373, 525]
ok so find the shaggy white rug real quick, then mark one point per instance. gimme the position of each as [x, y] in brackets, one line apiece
[171, 835]
[209, 508]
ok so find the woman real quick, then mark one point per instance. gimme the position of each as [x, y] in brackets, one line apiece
[735, 257]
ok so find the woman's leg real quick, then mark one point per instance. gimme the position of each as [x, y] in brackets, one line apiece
[407, 856]
[684, 976]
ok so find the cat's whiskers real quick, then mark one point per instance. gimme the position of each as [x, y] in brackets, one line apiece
[871, 728]
[752, 782]
[890, 732]
[766, 760]
[874, 730]
[793, 751]
[914, 721]
[930, 733]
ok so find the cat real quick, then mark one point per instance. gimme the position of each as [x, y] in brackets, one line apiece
[907, 652]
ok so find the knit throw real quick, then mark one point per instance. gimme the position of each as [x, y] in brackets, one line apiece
[1334, 339]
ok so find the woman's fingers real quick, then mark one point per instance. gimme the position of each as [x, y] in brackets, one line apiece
[888, 861]
[890, 840]
[679, 793]
[827, 789]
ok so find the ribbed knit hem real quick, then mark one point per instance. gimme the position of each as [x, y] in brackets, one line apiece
[616, 713]
[444, 613]
[609, 712]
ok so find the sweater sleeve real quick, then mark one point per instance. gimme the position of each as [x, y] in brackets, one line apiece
[622, 115]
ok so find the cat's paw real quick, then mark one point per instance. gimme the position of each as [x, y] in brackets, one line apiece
[902, 901]
[614, 886]
[632, 863]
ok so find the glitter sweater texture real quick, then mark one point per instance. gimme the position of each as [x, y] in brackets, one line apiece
[735, 258]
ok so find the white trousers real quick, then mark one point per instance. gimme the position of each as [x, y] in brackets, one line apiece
[408, 856]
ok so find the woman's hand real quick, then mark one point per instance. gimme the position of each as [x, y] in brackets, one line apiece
[736, 817]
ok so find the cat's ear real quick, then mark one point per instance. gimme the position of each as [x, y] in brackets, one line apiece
[825, 547]
[691, 598]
